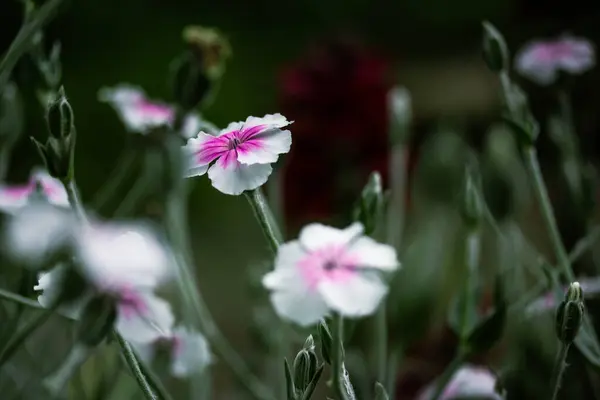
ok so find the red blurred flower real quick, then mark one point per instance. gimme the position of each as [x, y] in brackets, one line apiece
[337, 98]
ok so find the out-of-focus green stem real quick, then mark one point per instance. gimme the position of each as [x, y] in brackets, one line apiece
[584, 244]
[472, 252]
[340, 379]
[17, 299]
[559, 369]
[16, 341]
[115, 179]
[23, 40]
[75, 199]
[265, 218]
[446, 377]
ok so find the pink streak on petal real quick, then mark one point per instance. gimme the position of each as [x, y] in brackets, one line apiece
[250, 145]
[130, 304]
[228, 159]
[554, 52]
[313, 265]
[249, 133]
[212, 149]
[155, 110]
[18, 192]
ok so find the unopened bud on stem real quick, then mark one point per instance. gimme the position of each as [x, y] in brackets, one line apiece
[569, 315]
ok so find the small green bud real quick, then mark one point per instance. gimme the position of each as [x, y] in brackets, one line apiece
[97, 321]
[210, 48]
[495, 51]
[309, 343]
[371, 204]
[305, 366]
[326, 341]
[569, 314]
[60, 117]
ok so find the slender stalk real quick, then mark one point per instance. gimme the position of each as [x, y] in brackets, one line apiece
[446, 377]
[265, 218]
[276, 198]
[394, 360]
[397, 206]
[57, 382]
[559, 369]
[116, 177]
[17, 299]
[584, 244]
[136, 370]
[194, 301]
[4, 160]
[75, 199]
[340, 380]
[135, 194]
[23, 40]
[16, 341]
[472, 250]
[381, 341]
[566, 113]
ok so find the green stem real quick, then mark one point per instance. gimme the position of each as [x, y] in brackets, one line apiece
[395, 358]
[135, 194]
[75, 199]
[584, 244]
[265, 218]
[17, 299]
[4, 160]
[276, 198]
[446, 377]
[136, 370]
[566, 113]
[472, 251]
[115, 179]
[381, 342]
[16, 341]
[22, 41]
[194, 301]
[397, 207]
[559, 369]
[340, 380]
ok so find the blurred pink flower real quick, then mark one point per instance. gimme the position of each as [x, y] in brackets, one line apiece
[239, 158]
[329, 269]
[542, 61]
[139, 114]
[128, 263]
[468, 381]
[15, 197]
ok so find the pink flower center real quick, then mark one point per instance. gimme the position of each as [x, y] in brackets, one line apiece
[154, 110]
[242, 140]
[333, 262]
[131, 304]
[550, 52]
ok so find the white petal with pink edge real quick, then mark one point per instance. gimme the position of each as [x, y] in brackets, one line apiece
[151, 321]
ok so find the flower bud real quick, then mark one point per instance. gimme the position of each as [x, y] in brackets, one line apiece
[495, 51]
[97, 320]
[326, 341]
[210, 48]
[60, 117]
[305, 367]
[309, 344]
[569, 315]
[370, 207]
[471, 207]
[189, 84]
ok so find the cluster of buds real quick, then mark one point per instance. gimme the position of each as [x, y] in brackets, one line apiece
[302, 379]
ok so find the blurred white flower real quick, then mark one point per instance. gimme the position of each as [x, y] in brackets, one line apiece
[139, 114]
[35, 232]
[469, 381]
[239, 158]
[128, 263]
[329, 269]
[541, 61]
[188, 351]
[12, 198]
[50, 284]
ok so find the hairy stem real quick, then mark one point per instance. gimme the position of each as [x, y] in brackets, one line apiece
[559, 369]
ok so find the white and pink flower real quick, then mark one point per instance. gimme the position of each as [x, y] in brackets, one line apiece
[239, 158]
[139, 114]
[128, 263]
[542, 61]
[329, 269]
[468, 382]
[14, 197]
[188, 351]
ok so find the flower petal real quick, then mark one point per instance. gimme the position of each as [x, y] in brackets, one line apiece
[581, 56]
[293, 299]
[191, 126]
[231, 177]
[315, 236]
[118, 256]
[369, 253]
[190, 354]
[357, 296]
[152, 320]
[288, 256]
[53, 189]
[269, 121]
[202, 150]
[264, 147]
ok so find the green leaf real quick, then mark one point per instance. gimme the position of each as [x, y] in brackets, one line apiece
[380, 392]
[289, 381]
[308, 392]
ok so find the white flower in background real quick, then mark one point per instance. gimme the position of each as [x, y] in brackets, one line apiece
[13, 197]
[468, 382]
[239, 158]
[35, 232]
[128, 263]
[541, 61]
[139, 114]
[188, 351]
[329, 269]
